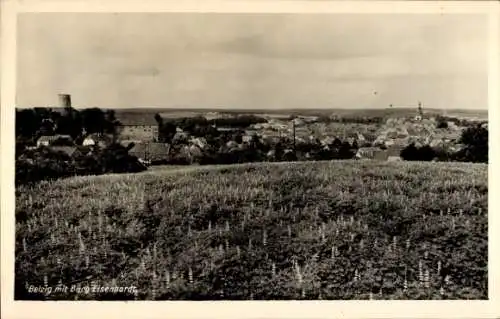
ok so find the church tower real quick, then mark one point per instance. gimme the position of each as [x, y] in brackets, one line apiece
[420, 112]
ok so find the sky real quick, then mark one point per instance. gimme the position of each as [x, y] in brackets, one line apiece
[269, 61]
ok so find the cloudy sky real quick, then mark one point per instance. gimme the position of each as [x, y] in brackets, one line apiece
[252, 60]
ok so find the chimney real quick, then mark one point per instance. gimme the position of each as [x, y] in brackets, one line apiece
[64, 100]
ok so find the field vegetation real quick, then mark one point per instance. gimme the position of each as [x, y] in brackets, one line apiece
[311, 230]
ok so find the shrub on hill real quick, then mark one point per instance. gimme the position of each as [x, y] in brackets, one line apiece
[413, 153]
[475, 139]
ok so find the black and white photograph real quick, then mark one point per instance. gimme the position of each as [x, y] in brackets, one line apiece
[230, 156]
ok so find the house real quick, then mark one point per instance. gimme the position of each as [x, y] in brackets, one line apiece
[48, 140]
[376, 153]
[394, 159]
[190, 152]
[180, 137]
[151, 151]
[367, 152]
[231, 144]
[96, 139]
[201, 142]
[144, 132]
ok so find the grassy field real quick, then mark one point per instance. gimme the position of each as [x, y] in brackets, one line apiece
[315, 230]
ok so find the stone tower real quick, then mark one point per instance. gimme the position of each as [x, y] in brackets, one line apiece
[64, 100]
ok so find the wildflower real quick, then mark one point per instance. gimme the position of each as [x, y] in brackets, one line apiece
[209, 226]
[427, 279]
[273, 269]
[25, 246]
[190, 275]
[167, 278]
[264, 238]
[420, 272]
[289, 228]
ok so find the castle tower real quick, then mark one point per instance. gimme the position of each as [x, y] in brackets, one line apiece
[64, 100]
[65, 104]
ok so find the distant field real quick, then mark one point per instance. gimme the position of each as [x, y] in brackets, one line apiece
[330, 230]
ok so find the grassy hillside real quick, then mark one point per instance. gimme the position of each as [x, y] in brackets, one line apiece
[330, 230]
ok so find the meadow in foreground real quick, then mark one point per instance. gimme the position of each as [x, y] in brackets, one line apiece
[315, 230]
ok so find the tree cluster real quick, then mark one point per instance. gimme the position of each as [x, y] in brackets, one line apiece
[33, 123]
[475, 148]
[45, 163]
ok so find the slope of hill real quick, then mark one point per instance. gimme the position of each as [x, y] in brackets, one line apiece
[329, 230]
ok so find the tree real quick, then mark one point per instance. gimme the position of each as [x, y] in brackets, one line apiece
[27, 123]
[345, 151]
[426, 153]
[94, 120]
[475, 140]
[442, 122]
[409, 153]
[166, 132]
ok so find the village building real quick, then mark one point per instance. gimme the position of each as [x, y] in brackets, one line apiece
[151, 152]
[200, 142]
[180, 137]
[144, 132]
[98, 139]
[48, 140]
[375, 153]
